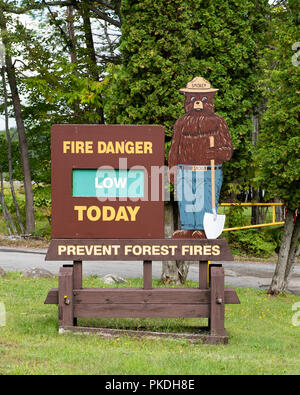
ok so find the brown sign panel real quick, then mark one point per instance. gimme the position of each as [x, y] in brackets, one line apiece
[107, 181]
[139, 250]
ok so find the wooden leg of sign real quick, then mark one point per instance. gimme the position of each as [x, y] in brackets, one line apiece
[217, 302]
[65, 297]
[77, 274]
[203, 265]
[77, 280]
[147, 267]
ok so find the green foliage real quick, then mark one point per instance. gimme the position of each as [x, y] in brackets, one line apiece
[156, 45]
[278, 157]
[164, 45]
[261, 242]
[252, 242]
[42, 204]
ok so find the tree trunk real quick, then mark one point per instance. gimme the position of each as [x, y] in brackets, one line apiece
[294, 252]
[6, 214]
[2, 203]
[173, 272]
[71, 33]
[169, 268]
[278, 281]
[279, 211]
[255, 209]
[89, 40]
[9, 154]
[30, 222]
[72, 51]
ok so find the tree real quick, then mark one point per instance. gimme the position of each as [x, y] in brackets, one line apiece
[9, 140]
[278, 158]
[60, 67]
[165, 44]
[156, 45]
[12, 80]
[229, 39]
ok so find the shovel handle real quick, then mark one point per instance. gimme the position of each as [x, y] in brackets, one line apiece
[212, 163]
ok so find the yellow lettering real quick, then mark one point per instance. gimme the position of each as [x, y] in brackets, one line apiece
[119, 147]
[207, 250]
[146, 250]
[66, 146]
[108, 213]
[89, 250]
[216, 250]
[80, 210]
[129, 147]
[98, 250]
[101, 147]
[137, 250]
[139, 147]
[197, 250]
[61, 249]
[173, 249]
[106, 250]
[133, 212]
[71, 250]
[155, 250]
[80, 250]
[122, 215]
[127, 249]
[116, 249]
[148, 147]
[110, 148]
[185, 250]
[89, 147]
[79, 147]
[94, 217]
[164, 250]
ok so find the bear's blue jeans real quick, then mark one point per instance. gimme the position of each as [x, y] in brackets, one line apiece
[194, 194]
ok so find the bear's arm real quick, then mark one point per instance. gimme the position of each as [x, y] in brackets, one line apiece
[223, 144]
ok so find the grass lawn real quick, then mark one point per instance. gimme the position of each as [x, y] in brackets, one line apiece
[262, 339]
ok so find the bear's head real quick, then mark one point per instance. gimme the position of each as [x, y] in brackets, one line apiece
[197, 103]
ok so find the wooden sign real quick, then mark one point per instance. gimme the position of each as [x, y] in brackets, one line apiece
[201, 143]
[103, 184]
[138, 249]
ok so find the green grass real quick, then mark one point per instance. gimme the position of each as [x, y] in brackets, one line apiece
[43, 228]
[262, 339]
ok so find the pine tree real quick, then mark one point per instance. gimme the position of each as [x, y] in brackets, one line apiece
[278, 157]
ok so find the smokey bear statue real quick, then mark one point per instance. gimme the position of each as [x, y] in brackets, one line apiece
[201, 138]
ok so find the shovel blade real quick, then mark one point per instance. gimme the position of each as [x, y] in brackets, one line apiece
[213, 226]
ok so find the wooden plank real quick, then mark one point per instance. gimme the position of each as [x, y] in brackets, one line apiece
[203, 267]
[148, 310]
[217, 303]
[147, 274]
[200, 335]
[140, 296]
[137, 295]
[77, 275]
[138, 250]
[52, 297]
[65, 296]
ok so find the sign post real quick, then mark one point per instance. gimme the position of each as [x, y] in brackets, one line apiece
[108, 205]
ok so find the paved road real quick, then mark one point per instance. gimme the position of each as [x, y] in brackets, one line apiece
[237, 274]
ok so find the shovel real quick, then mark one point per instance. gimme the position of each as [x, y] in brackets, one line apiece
[213, 223]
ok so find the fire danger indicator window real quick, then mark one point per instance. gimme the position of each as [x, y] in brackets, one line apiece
[108, 183]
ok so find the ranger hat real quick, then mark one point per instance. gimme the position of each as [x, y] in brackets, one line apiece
[198, 84]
